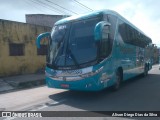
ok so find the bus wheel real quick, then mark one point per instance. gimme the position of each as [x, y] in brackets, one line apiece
[145, 71]
[117, 84]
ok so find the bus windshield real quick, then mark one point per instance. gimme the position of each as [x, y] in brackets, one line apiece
[73, 44]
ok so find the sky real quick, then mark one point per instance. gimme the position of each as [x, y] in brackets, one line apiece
[142, 13]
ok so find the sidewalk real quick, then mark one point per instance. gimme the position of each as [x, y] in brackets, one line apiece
[21, 81]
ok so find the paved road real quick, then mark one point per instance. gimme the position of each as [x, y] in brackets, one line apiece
[138, 94]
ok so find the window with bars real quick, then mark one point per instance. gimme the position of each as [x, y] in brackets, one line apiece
[16, 49]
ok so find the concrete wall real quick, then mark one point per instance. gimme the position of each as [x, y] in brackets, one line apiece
[44, 20]
[15, 32]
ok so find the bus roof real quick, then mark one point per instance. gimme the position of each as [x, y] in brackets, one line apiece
[96, 13]
[79, 17]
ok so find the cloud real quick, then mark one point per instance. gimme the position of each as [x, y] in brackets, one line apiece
[142, 13]
[14, 10]
[147, 19]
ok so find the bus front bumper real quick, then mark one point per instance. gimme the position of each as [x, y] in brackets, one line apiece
[87, 84]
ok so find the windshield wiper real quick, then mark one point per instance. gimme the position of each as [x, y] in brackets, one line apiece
[73, 58]
[53, 66]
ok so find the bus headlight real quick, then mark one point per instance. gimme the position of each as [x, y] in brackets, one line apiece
[105, 78]
[48, 74]
[91, 73]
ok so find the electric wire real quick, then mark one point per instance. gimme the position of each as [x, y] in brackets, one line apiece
[61, 6]
[44, 4]
[51, 6]
[46, 7]
[83, 5]
[54, 8]
[30, 4]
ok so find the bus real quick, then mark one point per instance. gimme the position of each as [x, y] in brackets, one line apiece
[93, 51]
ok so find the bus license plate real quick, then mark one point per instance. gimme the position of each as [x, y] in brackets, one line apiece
[64, 85]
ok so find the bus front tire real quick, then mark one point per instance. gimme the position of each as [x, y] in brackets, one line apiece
[117, 84]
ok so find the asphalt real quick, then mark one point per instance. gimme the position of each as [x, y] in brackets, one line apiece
[9, 84]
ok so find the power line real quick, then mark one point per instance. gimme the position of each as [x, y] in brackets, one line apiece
[55, 9]
[60, 6]
[82, 5]
[26, 1]
[50, 6]
[42, 5]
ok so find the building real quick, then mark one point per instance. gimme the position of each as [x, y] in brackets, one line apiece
[155, 54]
[18, 51]
[44, 20]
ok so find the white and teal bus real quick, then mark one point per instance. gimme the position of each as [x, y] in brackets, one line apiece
[94, 51]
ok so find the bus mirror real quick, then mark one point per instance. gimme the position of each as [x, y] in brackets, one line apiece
[40, 37]
[105, 32]
[101, 28]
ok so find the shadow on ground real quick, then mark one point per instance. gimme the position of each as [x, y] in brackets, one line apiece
[136, 94]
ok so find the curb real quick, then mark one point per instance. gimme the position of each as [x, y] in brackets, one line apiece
[27, 84]
[12, 86]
